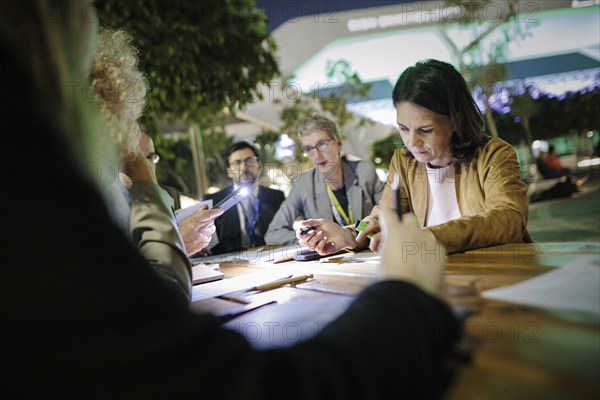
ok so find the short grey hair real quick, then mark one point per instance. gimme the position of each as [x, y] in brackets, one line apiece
[318, 122]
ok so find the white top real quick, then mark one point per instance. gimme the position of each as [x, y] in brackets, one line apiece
[442, 205]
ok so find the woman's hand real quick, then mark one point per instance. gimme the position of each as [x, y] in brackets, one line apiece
[326, 237]
[375, 242]
[372, 226]
[410, 253]
[197, 228]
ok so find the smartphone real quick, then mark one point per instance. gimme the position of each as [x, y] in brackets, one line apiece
[232, 199]
[307, 255]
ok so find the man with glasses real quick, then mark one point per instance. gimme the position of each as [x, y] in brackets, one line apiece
[335, 189]
[197, 228]
[244, 226]
[147, 147]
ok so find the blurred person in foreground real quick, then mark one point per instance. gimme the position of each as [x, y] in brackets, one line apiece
[335, 189]
[84, 316]
[244, 226]
[463, 186]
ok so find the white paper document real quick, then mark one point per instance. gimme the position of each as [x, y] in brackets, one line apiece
[363, 257]
[253, 256]
[202, 273]
[574, 287]
[244, 282]
[184, 212]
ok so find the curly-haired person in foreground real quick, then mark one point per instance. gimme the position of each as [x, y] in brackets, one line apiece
[120, 90]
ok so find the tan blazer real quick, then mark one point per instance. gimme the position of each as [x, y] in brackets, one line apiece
[154, 231]
[492, 199]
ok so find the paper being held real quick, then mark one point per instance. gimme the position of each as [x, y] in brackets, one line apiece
[185, 212]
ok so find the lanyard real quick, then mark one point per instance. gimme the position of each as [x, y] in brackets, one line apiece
[349, 220]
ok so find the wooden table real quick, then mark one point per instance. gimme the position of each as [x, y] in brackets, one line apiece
[524, 352]
[517, 352]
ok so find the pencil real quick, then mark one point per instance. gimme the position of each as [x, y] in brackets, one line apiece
[275, 285]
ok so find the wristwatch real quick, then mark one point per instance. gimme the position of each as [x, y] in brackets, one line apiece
[355, 233]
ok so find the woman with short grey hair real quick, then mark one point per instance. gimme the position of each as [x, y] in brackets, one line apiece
[335, 189]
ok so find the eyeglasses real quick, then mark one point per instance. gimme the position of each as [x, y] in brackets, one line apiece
[245, 161]
[153, 157]
[322, 145]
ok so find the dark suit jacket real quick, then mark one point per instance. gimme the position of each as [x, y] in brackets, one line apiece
[228, 225]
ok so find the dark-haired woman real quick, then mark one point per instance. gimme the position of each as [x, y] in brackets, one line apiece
[463, 187]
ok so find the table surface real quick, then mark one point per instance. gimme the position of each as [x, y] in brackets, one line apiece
[515, 351]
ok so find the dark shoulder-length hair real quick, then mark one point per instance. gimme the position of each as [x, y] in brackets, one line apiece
[439, 87]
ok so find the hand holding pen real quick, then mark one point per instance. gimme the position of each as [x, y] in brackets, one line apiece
[304, 229]
[369, 227]
[308, 229]
[366, 228]
[326, 237]
[396, 188]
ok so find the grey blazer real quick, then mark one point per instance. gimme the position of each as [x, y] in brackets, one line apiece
[308, 199]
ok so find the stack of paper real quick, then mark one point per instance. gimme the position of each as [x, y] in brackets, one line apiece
[202, 274]
[259, 255]
[574, 287]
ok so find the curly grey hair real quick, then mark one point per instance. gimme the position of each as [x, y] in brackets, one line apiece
[119, 86]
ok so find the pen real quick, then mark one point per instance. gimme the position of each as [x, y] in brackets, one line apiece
[281, 259]
[308, 229]
[397, 197]
[275, 285]
[235, 300]
[225, 317]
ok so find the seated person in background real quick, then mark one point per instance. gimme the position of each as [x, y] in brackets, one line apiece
[244, 226]
[335, 189]
[144, 209]
[550, 167]
[463, 187]
[544, 168]
[87, 317]
[552, 159]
